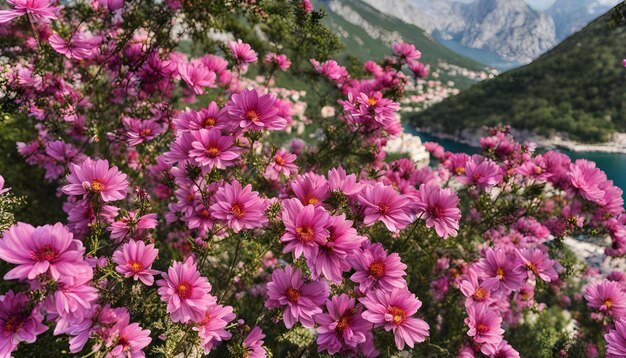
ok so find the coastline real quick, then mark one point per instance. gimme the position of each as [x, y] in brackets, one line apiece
[616, 145]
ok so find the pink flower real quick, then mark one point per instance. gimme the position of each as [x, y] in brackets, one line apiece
[438, 207]
[44, 249]
[2, 188]
[538, 263]
[484, 324]
[500, 350]
[475, 291]
[338, 180]
[394, 310]
[241, 208]
[305, 228]
[301, 301]
[17, 323]
[608, 297]
[483, 174]
[96, 177]
[212, 329]
[499, 270]
[253, 343]
[310, 188]
[213, 150]
[377, 270]
[308, 7]
[376, 108]
[135, 260]
[74, 295]
[243, 53]
[40, 10]
[342, 327]
[185, 291]
[331, 69]
[131, 339]
[77, 47]
[196, 75]
[407, 52]
[419, 69]
[280, 61]
[588, 179]
[382, 203]
[282, 163]
[616, 340]
[139, 131]
[255, 112]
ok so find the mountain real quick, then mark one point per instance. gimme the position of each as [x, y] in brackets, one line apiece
[572, 15]
[368, 34]
[576, 89]
[508, 28]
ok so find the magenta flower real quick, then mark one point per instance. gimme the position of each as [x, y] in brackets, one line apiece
[131, 224]
[484, 324]
[310, 188]
[139, 131]
[253, 343]
[438, 207]
[45, 249]
[499, 270]
[2, 188]
[131, 339]
[538, 263]
[375, 107]
[40, 10]
[307, 6]
[331, 69]
[474, 291]
[74, 295]
[18, 325]
[241, 208]
[616, 340]
[282, 163]
[342, 326]
[243, 53]
[255, 112]
[483, 173]
[185, 291]
[196, 75]
[212, 329]
[213, 150]
[95, 176]
[338, 180]
[407, 52]
[394, 310]
[135, 260]
[588, 180]
[280, 61]
[301, 301]
[382, 203]
[500, 350]
[377, 270]
[607, 297]
[305, 227]
[77, 47]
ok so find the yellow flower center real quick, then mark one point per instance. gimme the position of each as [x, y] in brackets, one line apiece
[252, 116]
[183, 290]
[397, 313]
[97, 185]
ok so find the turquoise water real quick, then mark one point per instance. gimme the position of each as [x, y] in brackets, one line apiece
[614, 164]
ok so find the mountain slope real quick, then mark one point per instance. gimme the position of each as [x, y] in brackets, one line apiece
[572, 15]
[577, 89]
[368, 34]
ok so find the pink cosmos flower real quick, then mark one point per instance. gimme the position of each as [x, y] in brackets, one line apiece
[307, 5]
[280, 61]
[77, 47]
[301, 301]
[213, 150]
[499, 270]
[310, 188]
[241, 208]
[212, 329]
[438, 207]
[588, 179]
[332, 70]
[185, 291]
[484, 324]
[377, 270]
[95, 176]
[407, 52]
[538, 263]
[342, 326]
[130, 224]
[394, 310]
[305, 228]
[339, 180]
[282, 163]
[196, 75]
[419, 69]
[131, 339]
[243, 53]
[500, 350]
[616, 340]
[2, 188]
[40, 10]
[139, 131]
[483, 174]
[74, 295]
[44, 249]
[254, 111]
[253, 343]
[474, 290]
[608, 297]
[17, 324]
[383, 203]
[135, 260]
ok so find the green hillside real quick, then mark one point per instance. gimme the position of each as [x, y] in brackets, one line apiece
[578, 89]
[365, 46]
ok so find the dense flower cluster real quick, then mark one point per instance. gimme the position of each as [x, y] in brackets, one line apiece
[258, 221]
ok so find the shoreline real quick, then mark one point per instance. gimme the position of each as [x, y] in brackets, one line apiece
[472, 138]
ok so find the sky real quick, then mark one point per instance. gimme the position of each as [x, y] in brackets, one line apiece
[540, 4]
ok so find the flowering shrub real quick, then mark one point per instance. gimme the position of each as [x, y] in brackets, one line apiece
[260, 222]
